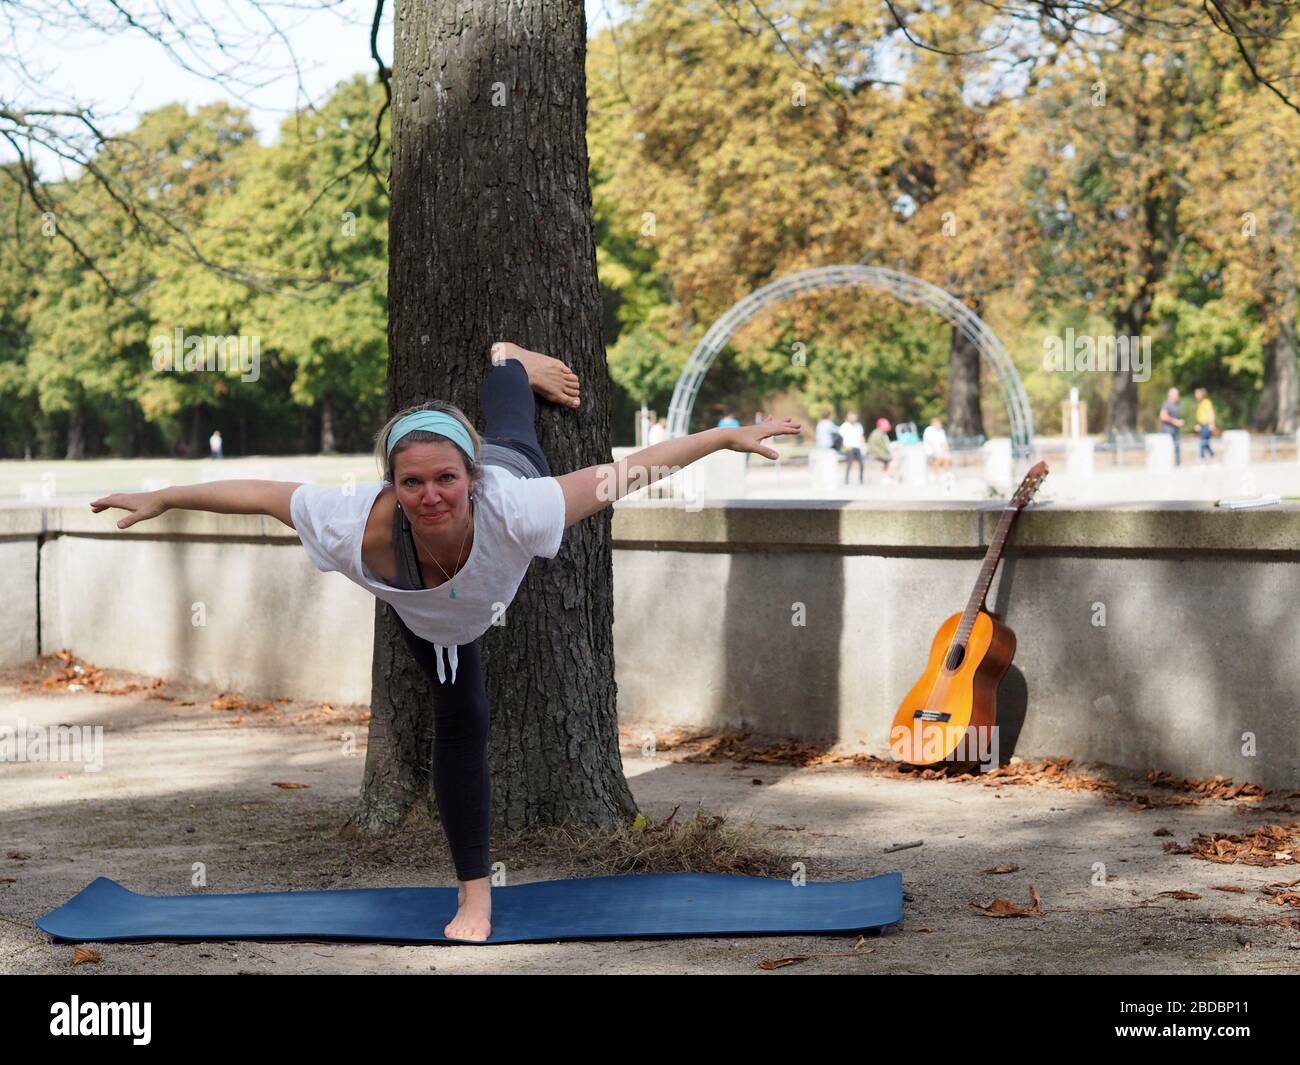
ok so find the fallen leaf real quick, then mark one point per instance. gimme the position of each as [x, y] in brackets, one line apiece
[795, 959]
[1180, 894]
[85, 954]
[288, 784]
[999, 869]
[781, 963]
[999, 908]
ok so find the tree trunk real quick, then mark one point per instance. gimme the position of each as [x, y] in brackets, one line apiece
[1280, 356]
[1284, 371]
[196, 430]
[964, 415]
[1123, 401]
[1266, 409]
[328, 440]
[76, 432]
[1123, 388]
[1276, 411]
[491, 237]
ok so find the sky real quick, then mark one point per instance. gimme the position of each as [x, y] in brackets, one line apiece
[125, 74]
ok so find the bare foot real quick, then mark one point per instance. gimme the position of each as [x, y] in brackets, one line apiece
[473, 920]
[550, 378]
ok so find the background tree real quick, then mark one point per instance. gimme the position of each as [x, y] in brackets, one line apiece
[1118, 125]
[1240, 210]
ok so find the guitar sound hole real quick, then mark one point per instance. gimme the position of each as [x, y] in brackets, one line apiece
[955, 657]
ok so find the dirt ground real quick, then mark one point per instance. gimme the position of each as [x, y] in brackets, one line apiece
[1088, 855]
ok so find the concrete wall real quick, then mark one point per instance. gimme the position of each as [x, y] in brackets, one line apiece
[229, 600]
[1155, 635]
[20, 533]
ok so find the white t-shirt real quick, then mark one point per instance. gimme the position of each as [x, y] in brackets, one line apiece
[852, 435]
[935, 440]
[515, 520]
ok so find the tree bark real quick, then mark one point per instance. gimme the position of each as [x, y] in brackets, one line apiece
[76, 432]
[1123, 411]
[492, 238]
[196, 430]
[1284, 368]
[328, 440]
[1265, 415]
[1276, 412]
[964, 415]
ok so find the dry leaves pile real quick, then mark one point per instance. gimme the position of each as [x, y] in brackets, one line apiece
[710, 747]
[735, 747]
[1267, 845]
[74, 676]
[1219, 787]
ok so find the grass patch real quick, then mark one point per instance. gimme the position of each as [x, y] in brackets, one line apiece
[701, 843]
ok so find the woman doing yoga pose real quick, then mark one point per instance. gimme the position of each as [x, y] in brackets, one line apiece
[445, 539]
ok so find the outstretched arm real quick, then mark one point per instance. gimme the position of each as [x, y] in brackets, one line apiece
[592, 489]
[221, 497]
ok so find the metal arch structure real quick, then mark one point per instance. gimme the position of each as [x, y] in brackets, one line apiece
[901, 286]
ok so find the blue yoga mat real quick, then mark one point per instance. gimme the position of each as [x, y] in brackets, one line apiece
[603, 907]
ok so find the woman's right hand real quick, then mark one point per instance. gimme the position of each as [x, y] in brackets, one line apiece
[141, 505]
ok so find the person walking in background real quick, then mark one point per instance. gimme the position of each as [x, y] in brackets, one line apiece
[658, 432]
[851, 436]
[1204, 422]
[827, 435]
[935, 442]
[728, 421]
[214, 443]
[1171, 420]
[878, 447]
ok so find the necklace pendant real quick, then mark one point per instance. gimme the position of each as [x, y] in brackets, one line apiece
[453, 592]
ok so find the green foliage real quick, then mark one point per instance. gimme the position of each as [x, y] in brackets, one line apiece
[721, 158]
[286, 244]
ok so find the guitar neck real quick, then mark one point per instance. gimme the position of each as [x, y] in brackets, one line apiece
[991, 559]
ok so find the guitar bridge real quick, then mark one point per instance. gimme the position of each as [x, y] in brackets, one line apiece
[931, 715]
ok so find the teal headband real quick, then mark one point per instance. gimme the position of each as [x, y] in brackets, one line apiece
[432, 421]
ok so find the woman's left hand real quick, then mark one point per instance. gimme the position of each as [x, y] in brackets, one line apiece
[749, 437]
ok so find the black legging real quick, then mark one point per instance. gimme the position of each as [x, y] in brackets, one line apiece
[461, 714]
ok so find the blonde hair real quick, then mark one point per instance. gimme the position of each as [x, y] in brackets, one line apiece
[424, 436]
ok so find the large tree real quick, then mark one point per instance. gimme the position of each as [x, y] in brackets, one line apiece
[491, 238]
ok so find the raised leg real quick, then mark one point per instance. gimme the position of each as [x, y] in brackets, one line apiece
[507, 398]
[510, 412]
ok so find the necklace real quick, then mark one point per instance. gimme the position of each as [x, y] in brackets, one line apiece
[468, 527]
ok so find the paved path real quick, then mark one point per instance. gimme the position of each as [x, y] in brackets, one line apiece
[182, 783]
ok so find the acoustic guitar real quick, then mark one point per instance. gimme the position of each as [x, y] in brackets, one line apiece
[950, 712]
